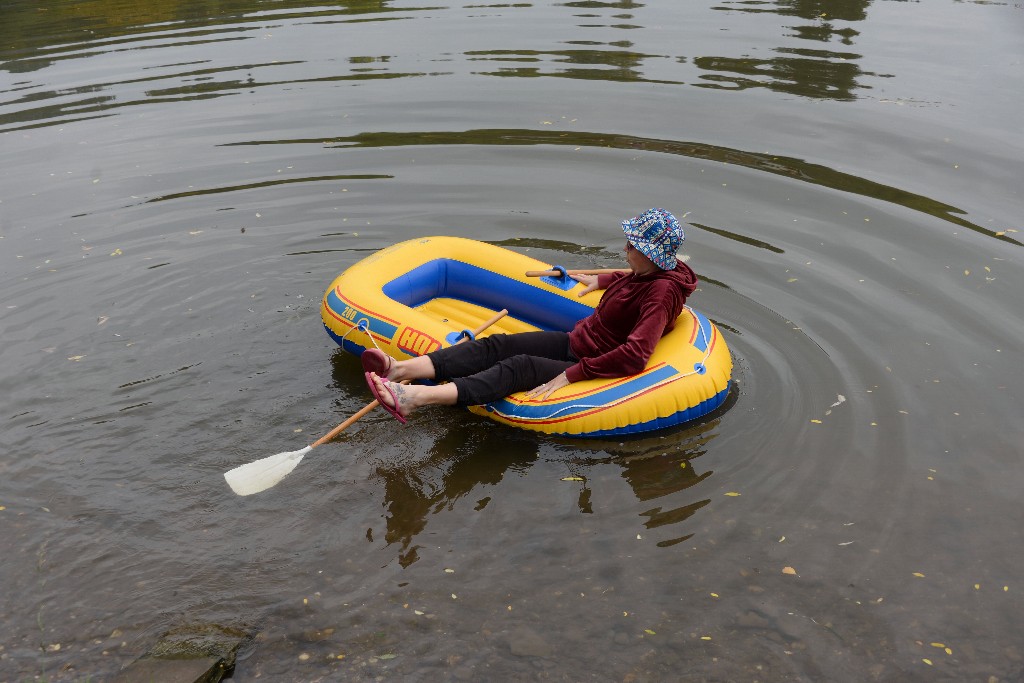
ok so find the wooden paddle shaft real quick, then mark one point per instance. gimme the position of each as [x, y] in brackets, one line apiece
[493, 319]
[374, 403]
[345, 425]
[592, 271]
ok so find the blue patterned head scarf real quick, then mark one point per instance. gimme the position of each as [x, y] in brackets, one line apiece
[657, 234]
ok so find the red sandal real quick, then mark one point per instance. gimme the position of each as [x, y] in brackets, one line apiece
[377, 395]
[377, 362]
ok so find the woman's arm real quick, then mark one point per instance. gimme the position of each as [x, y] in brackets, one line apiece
[631, 356]
[549, 387]
[589, 283]
[594, 282]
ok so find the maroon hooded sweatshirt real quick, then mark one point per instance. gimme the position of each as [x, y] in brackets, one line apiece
[635, 311]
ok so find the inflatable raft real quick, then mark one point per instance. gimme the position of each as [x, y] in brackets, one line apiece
[420, 295]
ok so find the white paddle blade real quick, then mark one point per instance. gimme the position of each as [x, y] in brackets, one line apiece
[254, 477]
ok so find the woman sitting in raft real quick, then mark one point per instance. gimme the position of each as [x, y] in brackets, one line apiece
[616, 340]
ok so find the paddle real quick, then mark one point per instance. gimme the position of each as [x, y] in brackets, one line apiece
[592, 271]
[260, 475]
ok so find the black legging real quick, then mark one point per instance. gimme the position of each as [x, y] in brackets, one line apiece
[493, 367]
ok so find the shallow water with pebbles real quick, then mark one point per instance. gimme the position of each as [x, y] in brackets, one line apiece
[182, 181]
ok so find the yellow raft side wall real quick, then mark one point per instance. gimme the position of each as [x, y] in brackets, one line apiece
[404, 332]
[668, 392]
[663, 394]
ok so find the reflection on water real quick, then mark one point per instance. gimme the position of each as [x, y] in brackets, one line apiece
[624, 66]
[454, 467]
[658, 474]
[161, 267]
[472, 462]
[813, 73]
[34, 40]
[469, 459]
[34, 37]
[794, 168]
[816, 10]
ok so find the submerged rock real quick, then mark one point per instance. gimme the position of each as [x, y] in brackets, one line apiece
[197, 653]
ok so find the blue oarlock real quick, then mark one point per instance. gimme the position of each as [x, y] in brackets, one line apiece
[562, 281]
[454, 338]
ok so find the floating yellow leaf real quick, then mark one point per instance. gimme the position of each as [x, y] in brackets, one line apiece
[919, 575]
[732, 493]
[650, 632]
[572, 478]
[714, 595]
[927, 661]
[977, 586]
[788, 570]
[948, 651]
[449, 571]
[116, 252]
[75, 358]
[938, 645]
[705, 637]
[817, 422]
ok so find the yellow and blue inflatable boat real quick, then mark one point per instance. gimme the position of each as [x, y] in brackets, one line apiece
[417, 296]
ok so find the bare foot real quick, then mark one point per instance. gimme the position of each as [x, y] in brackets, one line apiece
[393, 395]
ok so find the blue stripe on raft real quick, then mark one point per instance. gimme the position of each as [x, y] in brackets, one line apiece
[568, 407]
[377, 326]
[448, 278]
[704, 333]
[346, 344]
[692, 413]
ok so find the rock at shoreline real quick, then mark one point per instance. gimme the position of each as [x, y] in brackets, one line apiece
[198, 653]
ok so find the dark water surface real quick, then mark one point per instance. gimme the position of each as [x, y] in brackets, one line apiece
[182, 179]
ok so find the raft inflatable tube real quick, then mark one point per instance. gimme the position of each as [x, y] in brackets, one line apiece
[417, 296]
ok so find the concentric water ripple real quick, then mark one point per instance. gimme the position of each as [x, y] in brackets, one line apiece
[181, 182]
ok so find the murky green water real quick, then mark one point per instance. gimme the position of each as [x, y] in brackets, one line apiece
[182, 180]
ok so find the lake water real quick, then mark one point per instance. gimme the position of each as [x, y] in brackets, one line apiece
[183, 179]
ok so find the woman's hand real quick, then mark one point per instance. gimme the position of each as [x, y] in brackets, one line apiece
[589, 283]
[548, 388]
